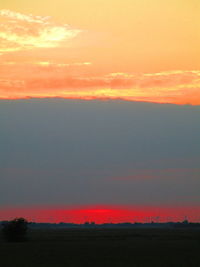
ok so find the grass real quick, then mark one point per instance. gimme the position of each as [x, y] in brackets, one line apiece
[104, 248]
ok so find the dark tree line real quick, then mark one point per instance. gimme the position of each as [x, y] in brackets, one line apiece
[15, 230]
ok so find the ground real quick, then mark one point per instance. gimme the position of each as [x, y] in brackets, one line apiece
[104, 248]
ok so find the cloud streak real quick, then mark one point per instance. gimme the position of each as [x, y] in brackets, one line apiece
[151, 174]
[21, 32]
[59, 74]
[48, 79]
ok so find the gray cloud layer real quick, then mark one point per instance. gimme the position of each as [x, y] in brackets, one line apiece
[94, 152]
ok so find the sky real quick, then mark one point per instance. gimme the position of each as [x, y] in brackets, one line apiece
[78, 154]
[99, 109]
[135, 50]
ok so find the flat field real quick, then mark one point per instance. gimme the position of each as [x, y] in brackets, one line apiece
[104, 248]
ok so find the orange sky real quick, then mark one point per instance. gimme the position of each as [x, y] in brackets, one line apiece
[132, 49]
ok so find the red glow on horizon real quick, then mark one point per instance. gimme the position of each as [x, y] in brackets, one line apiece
[102, 214]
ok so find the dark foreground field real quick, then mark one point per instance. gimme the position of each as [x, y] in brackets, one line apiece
[104, 247]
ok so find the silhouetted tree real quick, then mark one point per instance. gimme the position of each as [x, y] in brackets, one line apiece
[15, 230]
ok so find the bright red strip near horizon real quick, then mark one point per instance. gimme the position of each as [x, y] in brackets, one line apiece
[103, 214]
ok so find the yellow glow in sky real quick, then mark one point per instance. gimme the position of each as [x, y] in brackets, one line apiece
[133, 50]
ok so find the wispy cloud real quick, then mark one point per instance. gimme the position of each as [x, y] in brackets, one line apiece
[151, 174]
[52, 64]
[45, 76]
[21, 32]
[56, 79]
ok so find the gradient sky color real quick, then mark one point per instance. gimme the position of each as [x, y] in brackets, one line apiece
[132, 50]
[77, 134]
[103, 214]
[69, 153]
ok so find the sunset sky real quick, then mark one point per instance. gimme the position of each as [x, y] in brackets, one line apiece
[100, 109]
